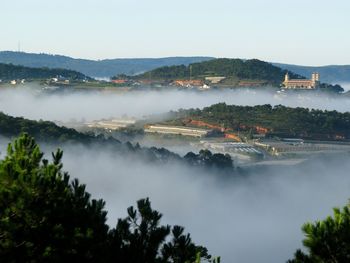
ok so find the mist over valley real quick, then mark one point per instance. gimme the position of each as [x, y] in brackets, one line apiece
[174, 131]
[243, 217]
[33, 103]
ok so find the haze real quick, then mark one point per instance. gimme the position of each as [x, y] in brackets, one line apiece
[27, 102]
[256, 218]
[251, 219]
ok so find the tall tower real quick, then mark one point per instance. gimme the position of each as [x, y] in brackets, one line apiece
[286, 77]
[315, 78]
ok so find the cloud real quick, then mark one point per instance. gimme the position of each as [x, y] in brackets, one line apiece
[27, 102]
[256, 218]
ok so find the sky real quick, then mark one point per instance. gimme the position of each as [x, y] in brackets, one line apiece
[306, 32]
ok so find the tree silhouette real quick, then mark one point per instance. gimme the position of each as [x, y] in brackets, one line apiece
[327, 240]
[47, 217]
[43, 215]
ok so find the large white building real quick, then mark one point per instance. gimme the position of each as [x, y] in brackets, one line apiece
[302, 83]
[177, 130]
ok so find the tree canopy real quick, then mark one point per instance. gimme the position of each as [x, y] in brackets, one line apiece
[45, 216]
[13, 72]
[276, 120]
[327, 240]
[49, 132]
[253, 69]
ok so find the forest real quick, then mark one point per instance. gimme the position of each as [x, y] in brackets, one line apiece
[49, 132]
[276, 120]
[253, 69]
[14, 72]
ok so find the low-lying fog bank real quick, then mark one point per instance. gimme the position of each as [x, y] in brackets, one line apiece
[252, 219]
[29, 103]
[257, 219]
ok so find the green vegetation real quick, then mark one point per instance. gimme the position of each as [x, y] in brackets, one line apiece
[327, 240]
[47, 217]
[43, 131]
[331, 88]
[48, 132]
[207, 159]
[236, 69]
[278, 120]
[12, 72]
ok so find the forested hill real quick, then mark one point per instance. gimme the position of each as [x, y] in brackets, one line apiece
[13, 72]
[274, 121]
[235, 69]
[48, 132]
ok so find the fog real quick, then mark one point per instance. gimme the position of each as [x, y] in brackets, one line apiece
[30, 103]
[252, 219]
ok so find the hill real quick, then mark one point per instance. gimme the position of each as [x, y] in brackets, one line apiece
[49, 132]
[94, 68]
[112, 67]
[235, 70]
[329, 74]
[12, 72]
[273, 121]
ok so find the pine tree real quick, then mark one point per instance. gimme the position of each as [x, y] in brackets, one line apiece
[45, 217]
[327, 240]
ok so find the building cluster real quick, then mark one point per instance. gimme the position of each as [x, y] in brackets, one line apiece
[231, 147]
[59, 80]
[294, 146]
[312, 83]
[15, 81]
[215, 80]
[196, 83]
[177, 130]
[114, 124]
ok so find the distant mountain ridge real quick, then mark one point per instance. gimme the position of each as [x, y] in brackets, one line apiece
[330, 74]
[133, 66]
[95, 68]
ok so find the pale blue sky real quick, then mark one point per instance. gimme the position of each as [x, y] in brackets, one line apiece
[305, 32]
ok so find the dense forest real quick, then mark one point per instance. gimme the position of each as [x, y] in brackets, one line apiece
[275, 121]
[231, 68]
[49, 132]
[13, 72]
